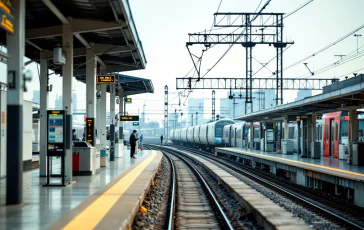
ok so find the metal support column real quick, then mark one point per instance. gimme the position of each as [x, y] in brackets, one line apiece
[309, 135]
[251, 135]
[196, 118]
[14, 142]
[103, 133]
[213, 105]
[91, 66]
[353, 126]
[248, 44]
[67, 76]
[299, 151]
[43, 103]
[166, 114]
[191, 119]
[279, 45]
[112, 123]
[120, 152]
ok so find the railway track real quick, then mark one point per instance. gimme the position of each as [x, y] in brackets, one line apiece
[192, 204]
[326, 208]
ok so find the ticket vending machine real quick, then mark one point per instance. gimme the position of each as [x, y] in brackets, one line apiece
[269, 140]
[56, 144]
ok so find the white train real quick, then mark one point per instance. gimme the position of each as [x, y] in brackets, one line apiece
[207, 135]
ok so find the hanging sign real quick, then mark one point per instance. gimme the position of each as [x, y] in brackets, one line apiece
[127, 100]
[129, 118]
[7, 16]
[105, 79]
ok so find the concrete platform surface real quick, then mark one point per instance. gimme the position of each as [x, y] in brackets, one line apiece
[326, 165]
[89, 199]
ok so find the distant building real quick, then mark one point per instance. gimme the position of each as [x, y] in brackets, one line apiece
[262, 99]
[36, 96]
[301, 94]
[195, 105]
[59, 105]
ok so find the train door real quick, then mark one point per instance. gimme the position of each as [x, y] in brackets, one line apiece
[332, 137]
[235, 137]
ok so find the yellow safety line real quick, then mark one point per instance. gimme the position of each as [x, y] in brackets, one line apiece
[95, 212]
[300, 162]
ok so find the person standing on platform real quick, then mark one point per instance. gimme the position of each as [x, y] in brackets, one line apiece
[162, 139]
[133, 139]
[141, 142]
[74, 135]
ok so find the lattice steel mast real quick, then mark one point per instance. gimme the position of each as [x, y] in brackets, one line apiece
[248, 40]
[166, 113]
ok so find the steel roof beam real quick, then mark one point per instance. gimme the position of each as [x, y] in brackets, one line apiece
[109, 69]
[99, 50]
[78, 26]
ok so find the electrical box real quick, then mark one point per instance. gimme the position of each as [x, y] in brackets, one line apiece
[58, 56]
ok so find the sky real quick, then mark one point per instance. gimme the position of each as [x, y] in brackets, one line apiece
[163, 27]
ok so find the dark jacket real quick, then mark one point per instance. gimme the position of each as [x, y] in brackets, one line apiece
[132, 139]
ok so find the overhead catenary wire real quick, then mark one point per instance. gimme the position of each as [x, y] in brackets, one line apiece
[325, 48]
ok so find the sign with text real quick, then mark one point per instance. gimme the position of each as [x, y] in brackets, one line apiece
[105, 79]
[129, 118]
[7, 16]
[294, 118]
[127, 100]
[56, 127]
[135, 123]
[319, 117]
[90, 130]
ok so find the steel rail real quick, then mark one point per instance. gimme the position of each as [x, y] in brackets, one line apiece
[225, 220]
[245, 172]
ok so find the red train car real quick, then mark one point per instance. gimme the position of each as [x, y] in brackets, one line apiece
[336, 131]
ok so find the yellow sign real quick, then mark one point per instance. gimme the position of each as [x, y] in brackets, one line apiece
[7, 17]
[298, 118]
[129, 118]
[55, 111]
[319, 117]
[105, 79]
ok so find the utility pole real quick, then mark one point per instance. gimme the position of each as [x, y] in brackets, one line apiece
[357, 41]
[166, 113]
[213, 105]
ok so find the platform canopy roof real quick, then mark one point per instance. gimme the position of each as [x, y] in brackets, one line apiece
[106, 24]
[130, 85]
[340, 96]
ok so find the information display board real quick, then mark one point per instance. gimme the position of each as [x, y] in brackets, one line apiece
[135, 123]
[90, 130]
[129, 118]
[105, 79]
[270, 135]
[56, 126]
[7, 16]
[127, 100]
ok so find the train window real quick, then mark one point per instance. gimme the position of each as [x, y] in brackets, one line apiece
[238, 134]
[336, 131]
[344, 129]
[327, 132]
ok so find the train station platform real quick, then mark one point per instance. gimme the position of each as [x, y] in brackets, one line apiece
[305, 171]
[107, 200]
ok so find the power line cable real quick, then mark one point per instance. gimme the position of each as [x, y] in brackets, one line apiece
[326, 47]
